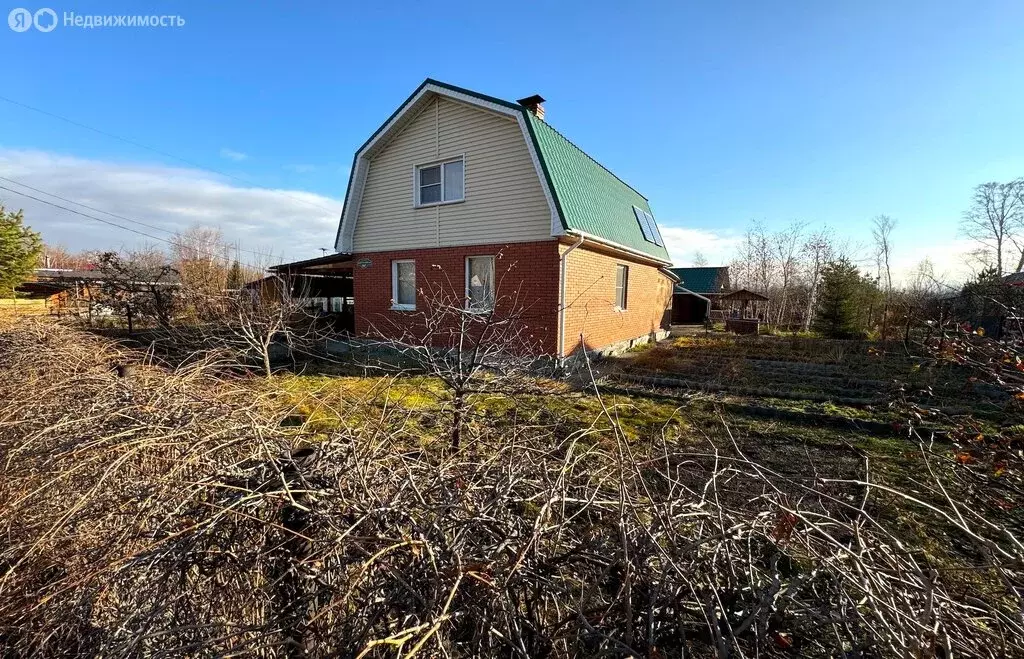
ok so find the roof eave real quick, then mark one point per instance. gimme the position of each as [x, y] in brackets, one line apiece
[622, 248]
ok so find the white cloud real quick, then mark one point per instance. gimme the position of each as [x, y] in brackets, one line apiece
[683, 244]
[231, 154]
[949, 257]
[288, 224]
[301, 168]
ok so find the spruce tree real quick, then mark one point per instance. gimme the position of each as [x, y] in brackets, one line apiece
[235, 279]
[20, 251]
[836, 313]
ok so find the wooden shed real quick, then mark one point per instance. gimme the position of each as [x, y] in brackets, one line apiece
[698, 293]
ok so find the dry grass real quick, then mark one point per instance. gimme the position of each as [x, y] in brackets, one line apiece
[170, 514]
[10, 308]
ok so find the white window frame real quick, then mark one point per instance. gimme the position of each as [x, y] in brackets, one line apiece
[494, 284]
[624, 268]
[435, 163]
[395, 306]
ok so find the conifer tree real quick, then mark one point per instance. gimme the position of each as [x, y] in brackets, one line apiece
[836, 315]
[20, 251]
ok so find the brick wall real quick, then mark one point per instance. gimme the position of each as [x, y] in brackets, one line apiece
[590, 300]
[526, 276]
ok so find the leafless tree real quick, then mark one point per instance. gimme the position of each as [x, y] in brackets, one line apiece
[257, 322]
[57, 256]
[208, 266]
[760, 255]
[699, 260]
[995, 220]
[139, 285]
[786, 245]
[255, 325]
[202, 258]
[881, 232]
[470, 349]
[203, 261]
[923, 294]
[817, 251]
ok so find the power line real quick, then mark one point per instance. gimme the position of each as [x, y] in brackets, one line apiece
[115, 215]
[98, 219]
[78, 203]
[120, 226]
[162, 153]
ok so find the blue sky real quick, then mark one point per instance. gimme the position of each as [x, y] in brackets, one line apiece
[720, 113]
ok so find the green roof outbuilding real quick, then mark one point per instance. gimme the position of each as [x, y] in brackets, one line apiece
[704, 281]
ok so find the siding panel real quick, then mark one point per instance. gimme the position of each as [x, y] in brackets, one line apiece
[504, 198]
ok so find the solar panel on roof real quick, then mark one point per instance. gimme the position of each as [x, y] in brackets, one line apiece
[645, 226]
[655, 231]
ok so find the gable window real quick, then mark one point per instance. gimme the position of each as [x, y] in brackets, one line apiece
[441, 183]
[480, 282]
[403, 285]
[621, 285]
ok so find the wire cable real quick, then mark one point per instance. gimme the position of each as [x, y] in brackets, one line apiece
[172, 243]
[160, 152]
[259, 255]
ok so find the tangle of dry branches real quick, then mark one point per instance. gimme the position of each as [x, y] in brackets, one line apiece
[169, 513]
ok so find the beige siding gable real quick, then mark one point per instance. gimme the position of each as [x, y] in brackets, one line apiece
[504, 200]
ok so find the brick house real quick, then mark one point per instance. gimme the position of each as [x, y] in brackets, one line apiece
[482, 198]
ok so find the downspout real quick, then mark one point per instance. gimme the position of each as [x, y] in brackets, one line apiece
[561, 295]
[708, 300]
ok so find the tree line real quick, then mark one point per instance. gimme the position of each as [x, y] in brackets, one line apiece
[815, 280]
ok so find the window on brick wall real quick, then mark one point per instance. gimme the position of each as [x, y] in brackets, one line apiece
[480, 283]
[403, 285]
[621, 286]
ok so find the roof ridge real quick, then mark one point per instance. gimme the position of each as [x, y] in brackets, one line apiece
[472, 92]
[488, 97]
[592, 158]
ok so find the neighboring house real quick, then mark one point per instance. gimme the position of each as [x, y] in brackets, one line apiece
[698, 293]
[74, 291]
[994, 305]
[483, 199]
[64, 290]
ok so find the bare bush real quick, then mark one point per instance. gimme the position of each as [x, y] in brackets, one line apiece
[256, 327]
[170, 514]
[140, 287]
[470, 349]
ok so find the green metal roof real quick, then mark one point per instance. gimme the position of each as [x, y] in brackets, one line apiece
[589, 197]
[703, 280]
